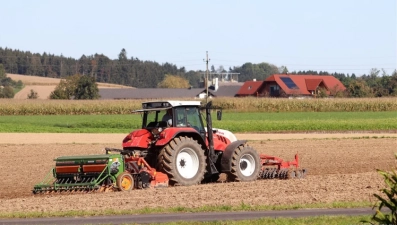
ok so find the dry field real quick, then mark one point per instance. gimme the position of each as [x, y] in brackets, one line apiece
[339, 170]
[45, 85]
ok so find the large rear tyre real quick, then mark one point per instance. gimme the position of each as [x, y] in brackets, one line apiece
[183, 160]
[125, 181]
[245, 164]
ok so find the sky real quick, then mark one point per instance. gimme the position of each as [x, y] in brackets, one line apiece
[345, 36]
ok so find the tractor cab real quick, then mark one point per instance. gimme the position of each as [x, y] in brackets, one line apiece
[172, 114]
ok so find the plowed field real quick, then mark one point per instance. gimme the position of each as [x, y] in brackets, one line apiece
[339, 170]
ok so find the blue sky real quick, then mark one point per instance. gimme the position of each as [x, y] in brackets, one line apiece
[348, 36]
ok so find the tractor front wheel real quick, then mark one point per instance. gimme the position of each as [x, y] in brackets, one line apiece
[125, 181]
[245, 164]
[183, 160]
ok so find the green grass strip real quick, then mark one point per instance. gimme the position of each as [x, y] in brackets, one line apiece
[315, 220]
[235, 122]
[208, 208]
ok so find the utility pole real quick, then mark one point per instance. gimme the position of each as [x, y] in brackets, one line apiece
[206, 79]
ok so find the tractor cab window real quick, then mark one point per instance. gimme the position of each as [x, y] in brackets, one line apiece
[152, 119]
[189, 117]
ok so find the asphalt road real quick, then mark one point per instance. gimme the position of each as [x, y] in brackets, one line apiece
[205, 216]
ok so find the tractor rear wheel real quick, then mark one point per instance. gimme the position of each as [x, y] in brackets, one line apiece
[125, 181]
[183, 160]
[245, 164]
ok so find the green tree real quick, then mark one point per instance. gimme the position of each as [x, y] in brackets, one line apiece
[322, 92]
[77, 87]
[283, 69]
[260, 71]
[388, 199]
[86, 88]
[194, 78]
[7, 92]
[359, 89]
[2, 72]
[173, 81]
[61, 91]
[392, 85]
[66, 88]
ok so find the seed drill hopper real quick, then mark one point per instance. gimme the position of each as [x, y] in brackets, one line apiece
[178, 150]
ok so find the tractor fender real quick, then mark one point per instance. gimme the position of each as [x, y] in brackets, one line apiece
[226, 162]
[171, 133]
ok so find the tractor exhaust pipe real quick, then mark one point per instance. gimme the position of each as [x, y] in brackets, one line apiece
[211, 157]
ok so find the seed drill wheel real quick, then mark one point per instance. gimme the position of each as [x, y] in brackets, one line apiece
[125, 182]
[183, 160]
[245, 164]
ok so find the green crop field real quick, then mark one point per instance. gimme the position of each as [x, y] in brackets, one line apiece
[235, 122]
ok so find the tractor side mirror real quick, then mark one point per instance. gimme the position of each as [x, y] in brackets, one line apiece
[219, 115]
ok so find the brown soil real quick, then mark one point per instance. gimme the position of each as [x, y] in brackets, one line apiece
[76, 138]
[339, 170]
[45, 85]
[43, 91]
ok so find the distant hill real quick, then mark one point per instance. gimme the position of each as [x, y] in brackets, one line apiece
[45, 85]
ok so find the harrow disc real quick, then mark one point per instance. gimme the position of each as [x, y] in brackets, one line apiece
[272, 173]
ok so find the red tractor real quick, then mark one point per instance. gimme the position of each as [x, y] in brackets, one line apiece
[172, 147]
[174, 141]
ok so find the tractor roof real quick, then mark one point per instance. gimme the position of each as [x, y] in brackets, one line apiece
[169, 104]
[162, 105]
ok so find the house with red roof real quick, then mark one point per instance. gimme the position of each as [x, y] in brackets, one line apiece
[285, 85]
[251, 88]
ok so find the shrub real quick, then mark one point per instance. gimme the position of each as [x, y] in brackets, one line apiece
[33, 94]
[7, 92]
[76, 87]
[388, 199]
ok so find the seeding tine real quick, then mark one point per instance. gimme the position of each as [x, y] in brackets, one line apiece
[274, 173]
[271, 172]
[265, 173]
[281, 174]
[298, 173]
[304, 171]
[290, 174]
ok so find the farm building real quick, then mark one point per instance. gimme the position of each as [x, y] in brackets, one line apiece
[284, 85]
[155, 93]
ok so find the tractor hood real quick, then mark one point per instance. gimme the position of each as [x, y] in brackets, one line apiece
[225, 133]
[138, 138]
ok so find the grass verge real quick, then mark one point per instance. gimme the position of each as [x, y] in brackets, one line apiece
[315, 220]
[181, 209]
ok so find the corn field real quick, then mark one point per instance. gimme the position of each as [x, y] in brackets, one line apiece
[110, 107]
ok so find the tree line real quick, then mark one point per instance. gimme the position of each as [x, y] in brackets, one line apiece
[123, 70]
[150, 74]
[378, 83]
